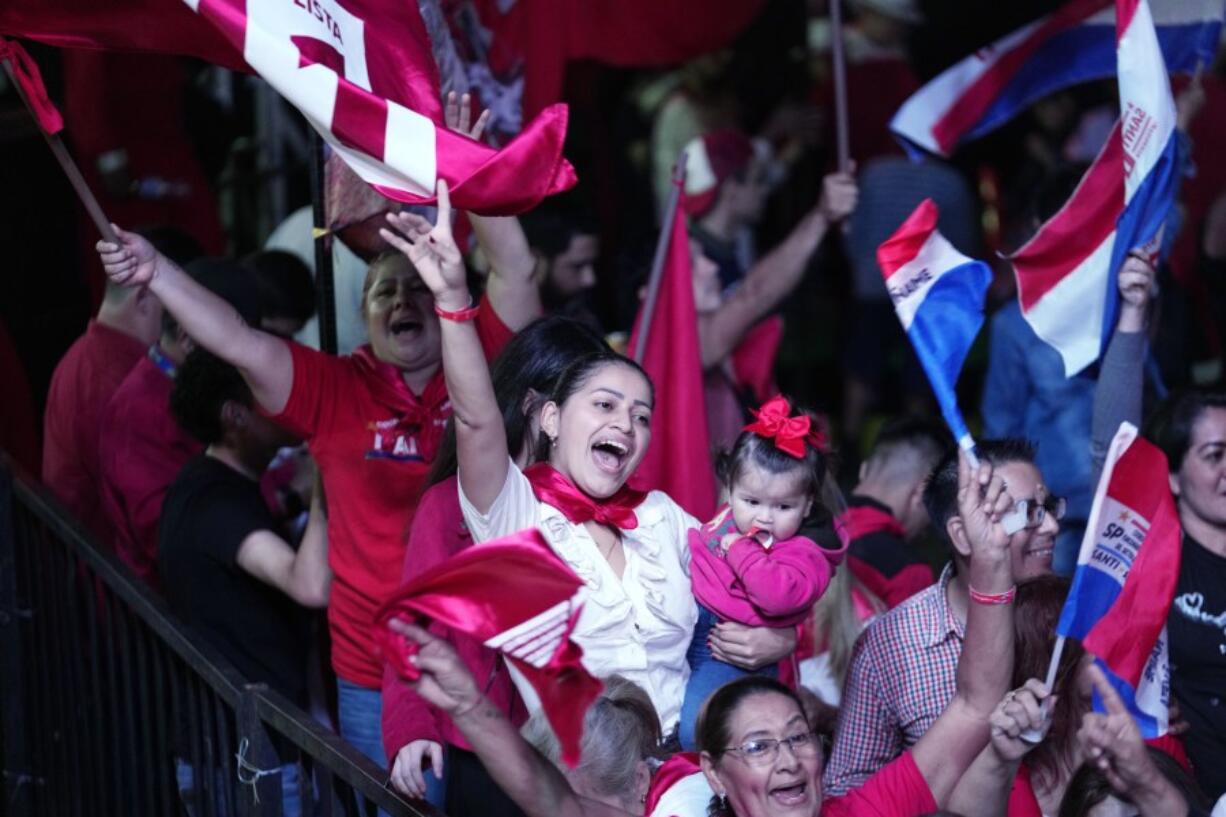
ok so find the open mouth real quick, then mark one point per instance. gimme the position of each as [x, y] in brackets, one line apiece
[610, 455]
[795, 795]
[403, 326]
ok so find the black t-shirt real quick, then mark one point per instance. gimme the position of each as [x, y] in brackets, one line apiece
[209, 510]
[1197, 631]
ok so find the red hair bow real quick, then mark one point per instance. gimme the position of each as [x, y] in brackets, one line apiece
[791, 434]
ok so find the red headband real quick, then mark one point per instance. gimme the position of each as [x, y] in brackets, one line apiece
[791, 434]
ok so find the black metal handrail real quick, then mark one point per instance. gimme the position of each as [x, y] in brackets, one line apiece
[111, 706]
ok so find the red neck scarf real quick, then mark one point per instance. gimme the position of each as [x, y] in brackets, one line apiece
[427, 413]
[861, 520]
[554, 489]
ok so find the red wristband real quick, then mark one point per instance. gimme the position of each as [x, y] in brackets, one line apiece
[459, 315]
[993, 598]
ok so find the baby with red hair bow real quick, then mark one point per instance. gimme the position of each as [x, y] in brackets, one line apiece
[750, 565]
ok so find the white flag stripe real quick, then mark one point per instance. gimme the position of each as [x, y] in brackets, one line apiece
[1062, 315]
[909, 284]
[531, 626]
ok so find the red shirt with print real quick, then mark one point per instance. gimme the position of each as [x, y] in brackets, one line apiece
[373, 447]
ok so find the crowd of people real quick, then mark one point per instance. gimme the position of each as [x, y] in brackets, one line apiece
[794, 654]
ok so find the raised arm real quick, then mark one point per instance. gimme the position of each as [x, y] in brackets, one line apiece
[946, 750]
[1121, 378]
[984, 790]
[263, 360]
[512, 287]
[481, 442]
[775, 275]
[529, 779]
[301, 574]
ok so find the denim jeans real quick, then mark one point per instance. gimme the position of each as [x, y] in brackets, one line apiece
[291, 796]
[361, 715]
[707, 674]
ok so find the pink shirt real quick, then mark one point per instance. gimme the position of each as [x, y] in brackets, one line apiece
[754, 585]
[438, 533]
[142, 451]
[85, 380]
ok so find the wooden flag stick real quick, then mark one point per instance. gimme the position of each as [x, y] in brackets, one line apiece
[838, 62]
[60, 151]
[657, 264]
[325, 283]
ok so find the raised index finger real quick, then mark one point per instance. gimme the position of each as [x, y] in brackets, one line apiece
[444, 202]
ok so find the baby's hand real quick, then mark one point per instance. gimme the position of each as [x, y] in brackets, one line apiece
[728, 540]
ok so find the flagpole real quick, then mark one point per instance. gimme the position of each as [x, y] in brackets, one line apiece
[60, 151]
[839, 64]
[325, 284]
[657, 264]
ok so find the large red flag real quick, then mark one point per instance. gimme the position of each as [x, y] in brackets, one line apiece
[518, 597]
[679, 459]
[360, 71]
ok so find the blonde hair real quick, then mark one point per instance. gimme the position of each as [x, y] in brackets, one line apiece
[835, 622]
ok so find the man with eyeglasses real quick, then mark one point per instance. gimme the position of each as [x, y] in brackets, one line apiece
[903, 670]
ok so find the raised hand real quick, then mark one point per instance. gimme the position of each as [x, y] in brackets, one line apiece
[1136, 285]
[1113, 743]
[445, 681]
[132, 262]
[457, 115]
[839, 196]
[433, 251]
[982, 502]
[1022, 710]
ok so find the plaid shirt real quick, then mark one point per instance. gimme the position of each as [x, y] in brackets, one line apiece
[902, 676]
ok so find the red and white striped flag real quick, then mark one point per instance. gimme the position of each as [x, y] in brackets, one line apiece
[360, 71]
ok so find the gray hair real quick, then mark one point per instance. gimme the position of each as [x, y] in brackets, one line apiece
[621, 718]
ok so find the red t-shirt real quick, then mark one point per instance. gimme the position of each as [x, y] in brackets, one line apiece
[438, 533]
[896, 790]
[374, 461]
[142, 450]
[84, 381]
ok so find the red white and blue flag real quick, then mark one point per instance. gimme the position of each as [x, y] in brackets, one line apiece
[1073, 44]
[938, 294]
[1126, 576]
[1066, 273]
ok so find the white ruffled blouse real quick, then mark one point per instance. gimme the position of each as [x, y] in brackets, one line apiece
[639, 626]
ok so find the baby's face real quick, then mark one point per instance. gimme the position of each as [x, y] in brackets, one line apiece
[775, 504]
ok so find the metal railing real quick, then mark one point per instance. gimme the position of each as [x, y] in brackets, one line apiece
[109, 706]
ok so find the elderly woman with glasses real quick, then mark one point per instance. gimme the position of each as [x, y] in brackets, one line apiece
[758, 752]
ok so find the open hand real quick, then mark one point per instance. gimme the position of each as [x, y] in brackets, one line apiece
[457, 116]
[1027, 709]
[433, 251]
[132, 262]
[408, 775]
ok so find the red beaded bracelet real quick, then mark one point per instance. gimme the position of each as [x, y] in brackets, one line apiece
[459, 315]
[993, 598]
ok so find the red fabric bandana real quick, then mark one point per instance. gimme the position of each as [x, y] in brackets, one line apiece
[554, 489]
[515, 595]
[30, 81]
[791, 434]
[428, 413]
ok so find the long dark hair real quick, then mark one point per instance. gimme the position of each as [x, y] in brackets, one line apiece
[531, 364]
[1035, 615]
[1089, 787]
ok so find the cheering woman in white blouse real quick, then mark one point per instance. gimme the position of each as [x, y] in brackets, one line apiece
[630, 548]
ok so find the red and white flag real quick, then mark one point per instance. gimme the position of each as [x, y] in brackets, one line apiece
[678, 461]
[519, 598]
[360, 71]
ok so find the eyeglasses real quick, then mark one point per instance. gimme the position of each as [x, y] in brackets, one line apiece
[764, 751]
[1030, 513]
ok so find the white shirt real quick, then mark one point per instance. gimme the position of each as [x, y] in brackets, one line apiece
[638, 627]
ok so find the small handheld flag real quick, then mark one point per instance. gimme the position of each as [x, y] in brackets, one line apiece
[938, 294]
[1125, 578]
